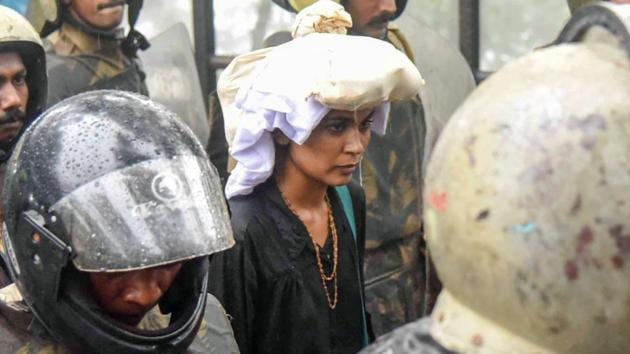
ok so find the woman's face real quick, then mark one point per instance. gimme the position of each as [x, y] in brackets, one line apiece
[335, 147]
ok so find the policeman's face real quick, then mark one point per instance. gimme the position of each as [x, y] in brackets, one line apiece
[370, 17]
[128, 296]
[334, 149]
[13, 96]
[102, 14]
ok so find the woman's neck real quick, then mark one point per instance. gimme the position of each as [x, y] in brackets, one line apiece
[302, 191]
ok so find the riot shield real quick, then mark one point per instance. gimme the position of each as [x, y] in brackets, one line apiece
[172, 78]
[449, 79]
[44, 15]
[399, 286]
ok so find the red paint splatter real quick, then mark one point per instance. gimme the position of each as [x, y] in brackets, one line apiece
[618, 261]
[439, 201]
[477, 340]
[585, 238]
[571, 270]
[622, 241]
[623, 245]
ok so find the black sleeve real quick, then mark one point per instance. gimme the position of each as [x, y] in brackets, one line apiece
[217, 147]
[232, 280]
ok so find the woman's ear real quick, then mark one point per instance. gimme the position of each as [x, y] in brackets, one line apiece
[279, 138]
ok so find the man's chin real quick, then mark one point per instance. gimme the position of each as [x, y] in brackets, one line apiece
[109, 26]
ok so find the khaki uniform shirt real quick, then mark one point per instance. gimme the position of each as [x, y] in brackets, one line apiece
[79, 62]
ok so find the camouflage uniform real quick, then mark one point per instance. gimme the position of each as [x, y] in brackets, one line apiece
[395, 252]
[215, 334]
[79, 62]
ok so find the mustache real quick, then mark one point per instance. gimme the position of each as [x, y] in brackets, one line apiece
[14, 115]
[381, 19]
[113, 3]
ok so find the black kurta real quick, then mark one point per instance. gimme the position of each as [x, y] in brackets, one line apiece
[269, 282]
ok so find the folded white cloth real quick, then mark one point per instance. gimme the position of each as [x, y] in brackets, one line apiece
[291, 87]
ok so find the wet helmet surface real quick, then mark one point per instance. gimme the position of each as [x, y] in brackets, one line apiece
[109, 181]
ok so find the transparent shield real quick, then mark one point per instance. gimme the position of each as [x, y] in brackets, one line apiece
[39, 12]
[511, 28]
[152, 213]
[448, 77]
[173, 80]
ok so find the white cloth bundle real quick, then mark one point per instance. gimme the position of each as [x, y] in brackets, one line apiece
[291, 87]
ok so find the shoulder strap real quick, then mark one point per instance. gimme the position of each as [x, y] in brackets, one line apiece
[348, 209]
[346, 201]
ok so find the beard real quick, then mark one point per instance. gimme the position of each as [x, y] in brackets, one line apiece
[11, 124]
[13, 115]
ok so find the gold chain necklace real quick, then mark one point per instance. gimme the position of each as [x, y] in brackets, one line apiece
[333, 230]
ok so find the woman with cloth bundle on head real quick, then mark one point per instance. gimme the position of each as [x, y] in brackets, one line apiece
[298, 120]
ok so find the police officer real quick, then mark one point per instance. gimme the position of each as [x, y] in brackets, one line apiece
[86, 47]
[392, 175]
[111, 211]
[527, 203]
[22, 85]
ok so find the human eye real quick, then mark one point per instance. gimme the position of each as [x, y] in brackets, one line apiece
[19, 79]
[337, 126]
[366, 124]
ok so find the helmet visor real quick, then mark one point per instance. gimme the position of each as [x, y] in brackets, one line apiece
[152, 213]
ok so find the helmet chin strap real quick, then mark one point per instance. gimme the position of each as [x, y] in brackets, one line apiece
[130, 44]
[111, 34]
[135, 40]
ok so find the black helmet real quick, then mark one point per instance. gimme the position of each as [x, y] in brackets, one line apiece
[47, 16]
[17, 35]
[299, 5]
[108, 181]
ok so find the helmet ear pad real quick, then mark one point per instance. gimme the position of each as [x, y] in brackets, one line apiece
[81, 317]
[191, 281]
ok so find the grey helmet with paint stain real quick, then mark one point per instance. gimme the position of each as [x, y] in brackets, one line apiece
[528, 199]
[109, 181]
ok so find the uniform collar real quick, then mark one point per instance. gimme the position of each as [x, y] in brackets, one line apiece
[70, 40]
